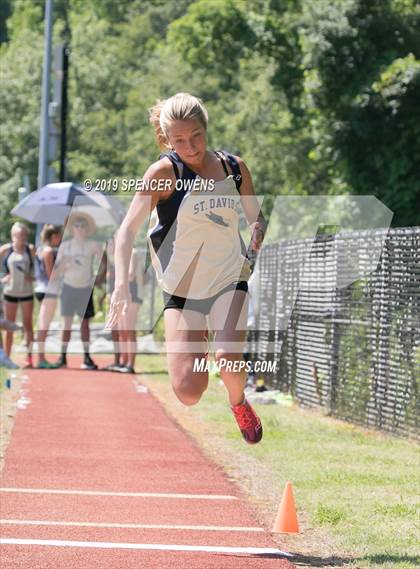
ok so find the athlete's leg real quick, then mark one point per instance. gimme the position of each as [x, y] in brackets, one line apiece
[88, 363]
[131, 335]
[10, 311]
[124, 335]
[66, 334]
[227, 319]
[85, 335]
[128, 336]
[27, 311]
[85, 314]
[122, 341]
[132, 341]
[115, 341]
[228, 316]
[185, 334]
[46, 313]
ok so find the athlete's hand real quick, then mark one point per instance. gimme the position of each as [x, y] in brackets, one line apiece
[6, 278]
[118, 306]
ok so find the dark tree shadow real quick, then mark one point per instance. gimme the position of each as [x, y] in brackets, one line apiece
[312, 561]
[415, 559]
[333, 561]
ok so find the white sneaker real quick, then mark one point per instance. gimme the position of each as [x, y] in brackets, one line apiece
[6, 362]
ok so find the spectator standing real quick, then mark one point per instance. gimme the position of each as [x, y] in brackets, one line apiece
[75, 260]
[46, 286]
[18, 265]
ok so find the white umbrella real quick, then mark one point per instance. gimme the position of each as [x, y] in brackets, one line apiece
[54, 202]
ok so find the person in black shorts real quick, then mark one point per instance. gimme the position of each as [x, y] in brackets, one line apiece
[17, 258]
[127, 323]
[116, 365]
[75, 262]
[197, 253]
[46, 286]
[5, 361]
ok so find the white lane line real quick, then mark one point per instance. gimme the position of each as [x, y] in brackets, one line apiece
[120, 494]
[145, 546]
[128, 526]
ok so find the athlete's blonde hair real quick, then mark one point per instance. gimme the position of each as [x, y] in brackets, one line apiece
[18, 225]
[181, 106]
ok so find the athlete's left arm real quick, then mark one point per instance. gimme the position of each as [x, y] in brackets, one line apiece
[48, 258]
[252, 210]
[30, 276]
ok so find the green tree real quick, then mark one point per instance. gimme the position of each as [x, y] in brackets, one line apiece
[317, 97]
[19, 118]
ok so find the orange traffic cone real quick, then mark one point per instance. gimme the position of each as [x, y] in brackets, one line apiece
[286, 520]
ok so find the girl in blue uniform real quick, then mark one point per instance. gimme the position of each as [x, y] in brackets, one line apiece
[18, 265]
[195, 196]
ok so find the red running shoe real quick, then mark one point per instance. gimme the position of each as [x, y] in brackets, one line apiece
[248, 422]
[28, 363]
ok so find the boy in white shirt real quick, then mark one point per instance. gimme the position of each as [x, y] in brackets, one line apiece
[75, 262]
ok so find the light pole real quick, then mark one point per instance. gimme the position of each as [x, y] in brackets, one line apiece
[44, 135]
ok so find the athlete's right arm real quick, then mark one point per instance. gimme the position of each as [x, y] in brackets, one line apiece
[140, 209]
[48, 258]
[4, 248]
[6, 278]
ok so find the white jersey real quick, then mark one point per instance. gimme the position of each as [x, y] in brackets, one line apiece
[195, 245]
[20, 268]
[80, 255]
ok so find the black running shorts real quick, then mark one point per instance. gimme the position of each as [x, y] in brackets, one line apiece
[73, 301]
[200, 305]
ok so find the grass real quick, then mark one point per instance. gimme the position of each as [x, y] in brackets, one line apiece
[8, 398]
[356, 491]
[3, 375]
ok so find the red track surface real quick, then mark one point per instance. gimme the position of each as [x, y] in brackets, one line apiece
[92, 432]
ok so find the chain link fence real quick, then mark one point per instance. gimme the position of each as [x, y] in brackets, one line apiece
[353, 350]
